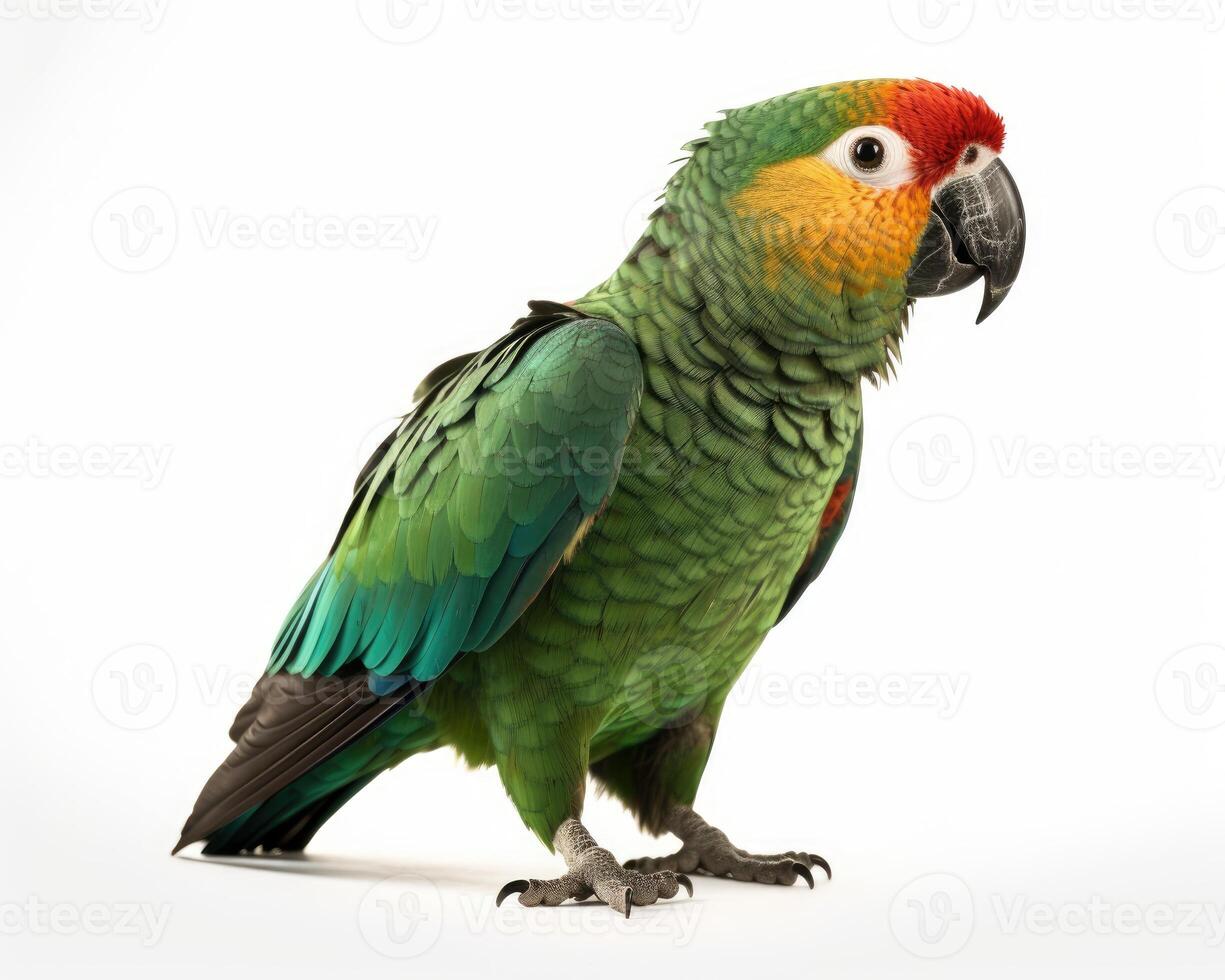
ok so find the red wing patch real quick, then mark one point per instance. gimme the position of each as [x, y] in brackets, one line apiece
[837, 501]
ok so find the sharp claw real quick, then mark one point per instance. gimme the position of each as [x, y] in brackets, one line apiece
[512, 888]
[804, 873]
[684, 880]
[629, 901]
[821, 863]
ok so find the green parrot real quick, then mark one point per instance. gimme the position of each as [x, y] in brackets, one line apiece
[564, 556]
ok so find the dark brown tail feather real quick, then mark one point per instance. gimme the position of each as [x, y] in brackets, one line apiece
[290, 725]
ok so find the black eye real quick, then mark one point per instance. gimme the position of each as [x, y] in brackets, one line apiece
[971, 156]
[868, 153]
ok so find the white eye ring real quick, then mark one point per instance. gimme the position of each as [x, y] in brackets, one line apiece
[892, 164]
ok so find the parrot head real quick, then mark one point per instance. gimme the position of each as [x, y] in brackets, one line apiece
[841, 205]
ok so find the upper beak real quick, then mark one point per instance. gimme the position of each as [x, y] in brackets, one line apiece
[977, 228]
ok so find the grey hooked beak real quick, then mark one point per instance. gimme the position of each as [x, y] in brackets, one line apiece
[977, 229]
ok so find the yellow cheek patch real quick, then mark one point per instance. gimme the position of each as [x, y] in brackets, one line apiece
[805, 214]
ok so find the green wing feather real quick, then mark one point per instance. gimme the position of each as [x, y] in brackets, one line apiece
[469, 505]
[832, 524]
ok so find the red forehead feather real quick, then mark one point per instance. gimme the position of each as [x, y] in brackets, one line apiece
[938, 122]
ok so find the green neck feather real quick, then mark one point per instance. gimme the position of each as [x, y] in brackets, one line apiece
[693, 292]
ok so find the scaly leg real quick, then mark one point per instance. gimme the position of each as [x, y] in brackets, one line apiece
[591, 870]
[708, 851]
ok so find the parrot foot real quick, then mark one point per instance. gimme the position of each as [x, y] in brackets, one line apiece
[707, 850]
[591, 870]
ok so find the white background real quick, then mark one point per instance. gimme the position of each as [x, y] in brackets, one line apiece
[1039, 526]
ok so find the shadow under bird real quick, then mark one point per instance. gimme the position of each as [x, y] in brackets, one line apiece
[562, 558]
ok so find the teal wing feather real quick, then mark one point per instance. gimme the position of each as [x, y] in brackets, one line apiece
[466, 509]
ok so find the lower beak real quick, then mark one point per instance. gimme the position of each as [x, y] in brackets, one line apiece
[977, 230]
